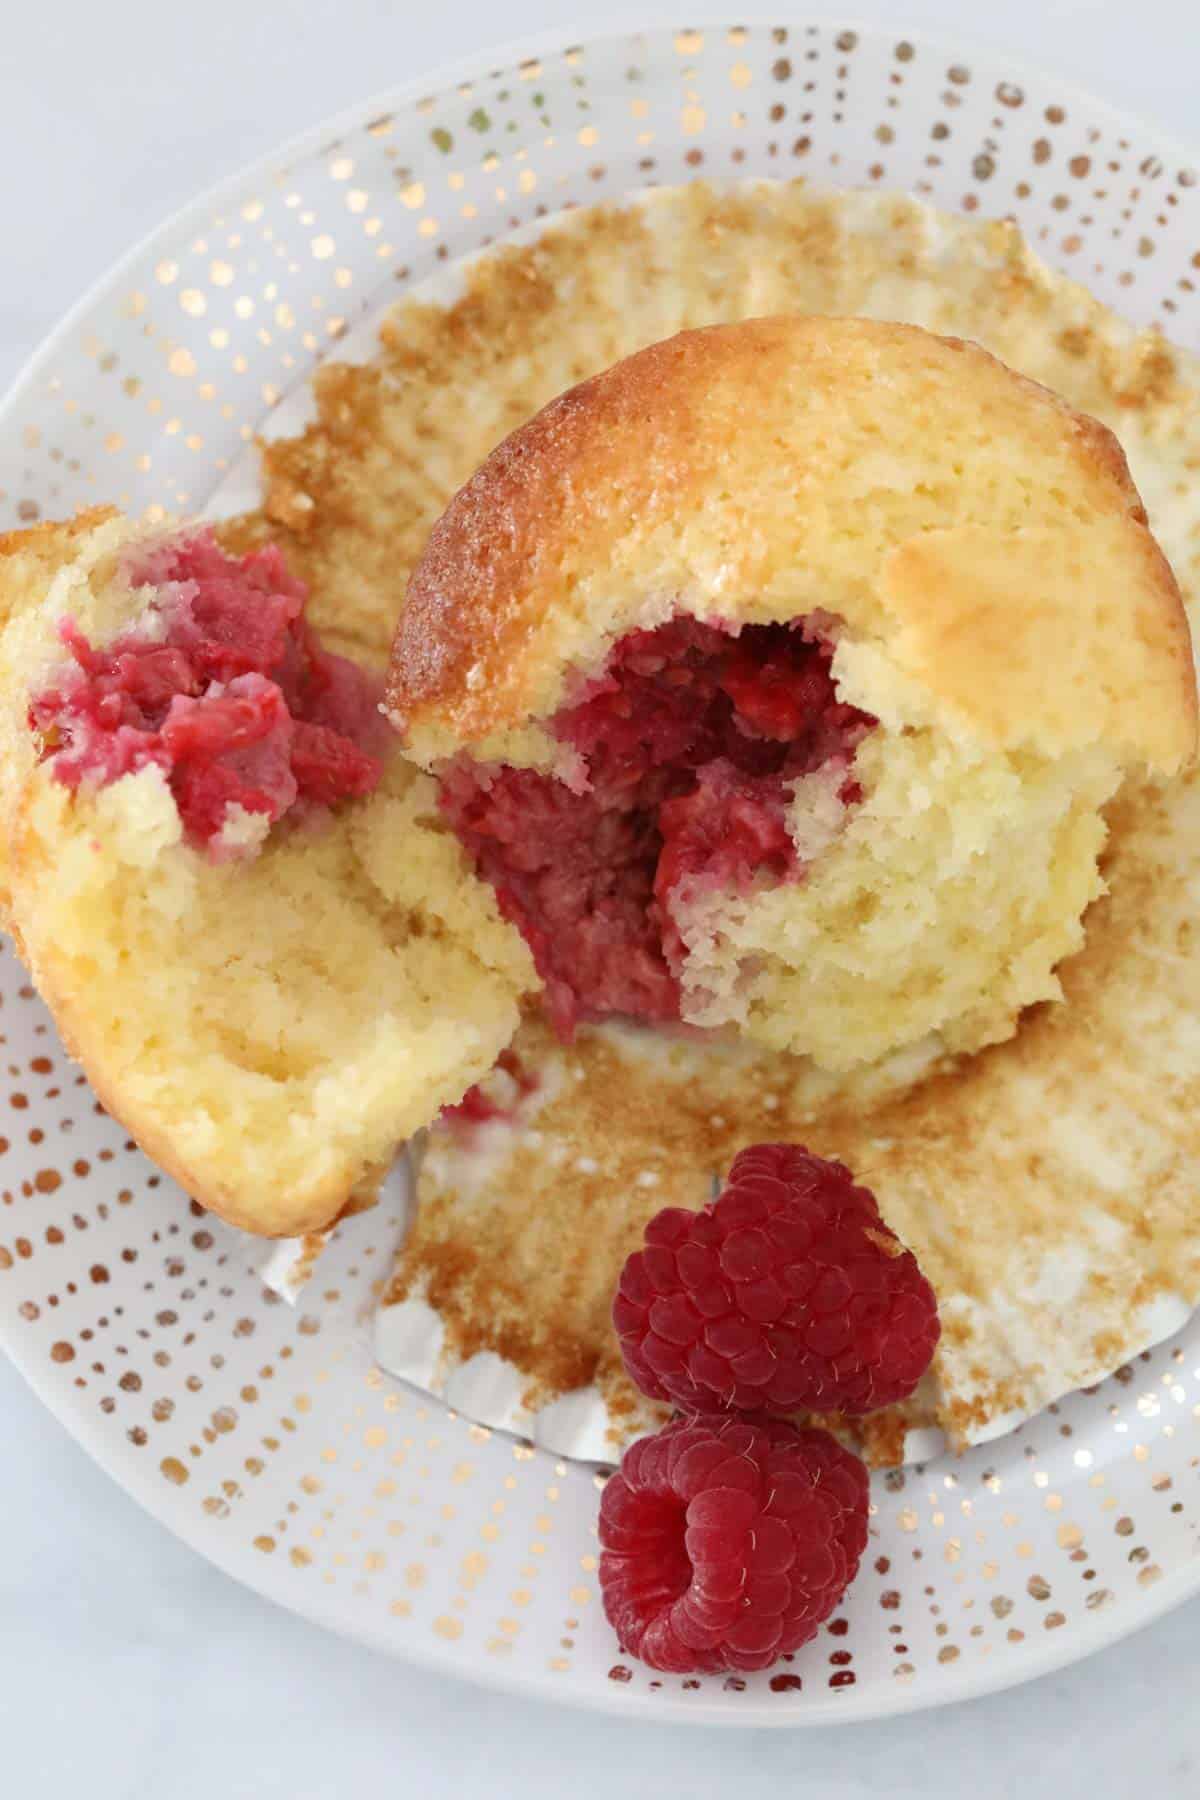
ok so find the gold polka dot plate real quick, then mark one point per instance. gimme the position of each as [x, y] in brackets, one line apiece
[263, 1432]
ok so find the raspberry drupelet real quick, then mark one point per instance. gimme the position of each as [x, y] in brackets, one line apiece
[725, 1542]
[787, 1293]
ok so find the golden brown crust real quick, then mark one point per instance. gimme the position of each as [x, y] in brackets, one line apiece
[960, 610]
[764, 468]
[53, 539]
[353, 499]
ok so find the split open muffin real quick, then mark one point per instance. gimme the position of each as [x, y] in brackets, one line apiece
[238, 901]
[774, 681]
[777, 679]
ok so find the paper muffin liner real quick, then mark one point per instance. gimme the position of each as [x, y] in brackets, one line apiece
[893, 259]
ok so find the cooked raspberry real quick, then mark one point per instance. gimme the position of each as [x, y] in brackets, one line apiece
[689, 745]
[730, 821]
[231, 695]
[788, 1293]
[328, 766]
[725, 1542]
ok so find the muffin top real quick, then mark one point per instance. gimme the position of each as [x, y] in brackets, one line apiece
[979, 541]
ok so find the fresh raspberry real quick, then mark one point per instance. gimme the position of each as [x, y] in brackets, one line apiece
[726, 1542]
[788, 1293]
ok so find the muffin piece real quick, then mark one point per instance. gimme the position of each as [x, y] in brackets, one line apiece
[778, 676]
[238, 902]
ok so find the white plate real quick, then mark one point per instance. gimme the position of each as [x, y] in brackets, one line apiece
[265, 1436]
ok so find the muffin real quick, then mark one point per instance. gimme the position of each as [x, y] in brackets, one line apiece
[778, 678]
[239, 903]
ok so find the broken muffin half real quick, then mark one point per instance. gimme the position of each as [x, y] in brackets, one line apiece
[237, 899]
[777, 679]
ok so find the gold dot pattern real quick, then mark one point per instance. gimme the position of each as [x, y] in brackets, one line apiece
[264, 1428]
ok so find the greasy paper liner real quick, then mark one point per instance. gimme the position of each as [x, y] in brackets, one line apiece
[410, 1338]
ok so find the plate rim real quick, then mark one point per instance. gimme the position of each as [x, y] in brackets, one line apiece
[641, 1703]
[455, 69]
[951, 1687]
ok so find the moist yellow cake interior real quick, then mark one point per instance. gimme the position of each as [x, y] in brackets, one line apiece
[268, 1029]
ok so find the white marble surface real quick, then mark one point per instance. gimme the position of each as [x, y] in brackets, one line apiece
[128, 1667]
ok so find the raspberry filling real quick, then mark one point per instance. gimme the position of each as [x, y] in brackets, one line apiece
[690, 743]
[226, 690]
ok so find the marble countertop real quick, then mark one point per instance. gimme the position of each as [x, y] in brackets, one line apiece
[128, 1666]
